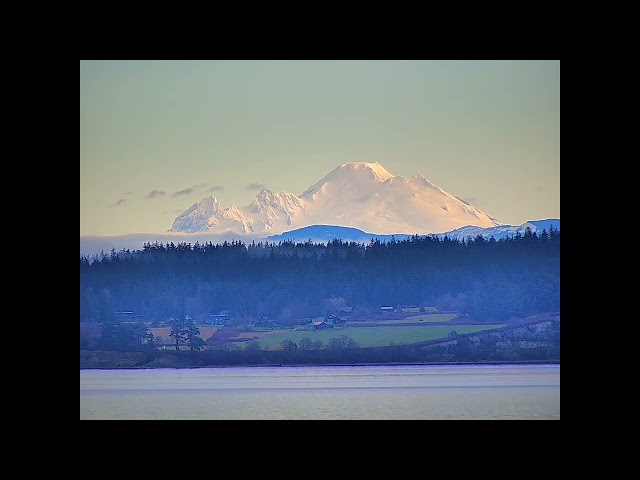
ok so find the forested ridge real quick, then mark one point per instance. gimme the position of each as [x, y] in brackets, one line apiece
[488, 280]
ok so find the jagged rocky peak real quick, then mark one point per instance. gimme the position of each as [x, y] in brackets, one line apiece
[209, 203]
[267, 198]
[233, 212]
[197, 217]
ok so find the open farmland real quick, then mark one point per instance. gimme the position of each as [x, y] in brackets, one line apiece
[164, 332]
[259, 334]
[374, 336]
[433, 318]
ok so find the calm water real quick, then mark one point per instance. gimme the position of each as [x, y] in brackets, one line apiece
[324, 393]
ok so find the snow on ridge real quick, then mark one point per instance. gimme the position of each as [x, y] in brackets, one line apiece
[362, 195]
[358, 174]
[378, 170]
[502, 230]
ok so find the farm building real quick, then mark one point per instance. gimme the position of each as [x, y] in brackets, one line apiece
[387, 308]
[321, 325]
[409, 309]
[334, 318]
[187, 318]
[345, 311]
[219, 318]
[264, 322]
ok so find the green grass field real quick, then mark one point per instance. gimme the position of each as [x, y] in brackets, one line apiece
[374, 336]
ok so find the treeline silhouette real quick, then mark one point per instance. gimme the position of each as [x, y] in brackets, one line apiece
[486, 279]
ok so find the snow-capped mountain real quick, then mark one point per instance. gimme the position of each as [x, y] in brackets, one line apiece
[358, 194]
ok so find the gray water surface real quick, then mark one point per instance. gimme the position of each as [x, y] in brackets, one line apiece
[408, 392]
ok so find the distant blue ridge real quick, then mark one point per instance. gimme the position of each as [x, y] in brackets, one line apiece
[326, 233]
[91, 245]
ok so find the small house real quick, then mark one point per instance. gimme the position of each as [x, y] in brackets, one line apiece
[219, 318]
[334, 319]
[345, 311]
[387, 308]
[263, 322]
[321, 325]
[409, 309]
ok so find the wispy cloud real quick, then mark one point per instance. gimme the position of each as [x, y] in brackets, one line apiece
[216, 188]
[128, 193]
[199, 186]
[155, 194]
[118, 203]
[254, 186]
[186, 191]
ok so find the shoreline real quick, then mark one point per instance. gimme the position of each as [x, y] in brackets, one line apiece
[399, 364]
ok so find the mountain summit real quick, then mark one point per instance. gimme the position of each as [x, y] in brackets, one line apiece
[358, 194]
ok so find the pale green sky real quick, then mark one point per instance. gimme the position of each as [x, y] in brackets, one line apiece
[176, 131]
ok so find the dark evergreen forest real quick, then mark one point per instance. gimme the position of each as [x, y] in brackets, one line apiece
[487, 279]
